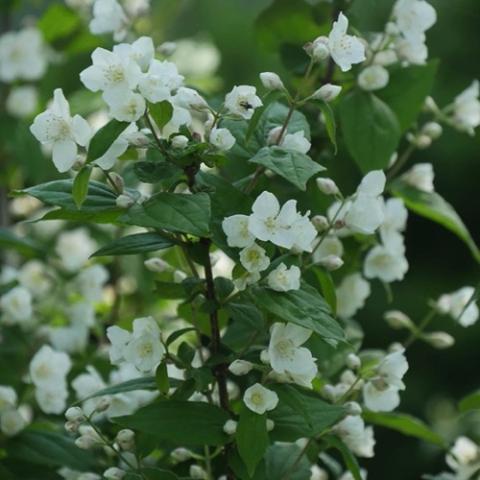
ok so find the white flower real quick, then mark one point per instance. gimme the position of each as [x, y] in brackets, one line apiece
[464, 451]
[8, 398]
[254, 258]
[90, 282]
[56, 128]
[127, 106]
[221, 138]
[259, 399]
[114, 473]
[188, 98]
[33, 275]
[351, 295]
[395, 220]
[108, 17]
[296, 142]
[230, 427]
[141, 51]
[414, 17]
[70, 339]
[22, 101]
[245, 280]
[356, 436]
[374, 77]
[412, 51]
[271, 81]
[242, 101]
[386, 262]
[197, 472]
[283, 279]
[455, 304]
[111, 73]
[16, 306]
[346, 50]
[12, 422]
[240, 367]
[23, 55]
[330, 246]
[466, 109]
[327, 92]
[74, 248]
[49, 368]
[420, 176]
[160, 81]
[380, 399]
[286, 355]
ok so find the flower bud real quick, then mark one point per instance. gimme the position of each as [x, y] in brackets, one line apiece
[181, 454]
[273, 137]
[318, 49]
[156, 265]
[317, 473]
[179, 141]
[118, 181]
[327, 92]
[264, 358]
[138, 140]
[339, 224]
[391, 28]
[331, 262]
[328, 391]
[230, 427]
[353, 361]
[179, 276]
[270, 425]
[88, 476]
[126, 439]
[124, 201]
[433, 130]
[240, 367]
[86, 442]
[167, 48]
[71, 426]
[353, 408]
[430, 106]
[103, 405]
[114, 473]
[327, 186]
[422, 141]
[438, 340]
[75, 414]
[320, 222]
[373, 78]
[271, 81]
[196, 471]
[397, 319]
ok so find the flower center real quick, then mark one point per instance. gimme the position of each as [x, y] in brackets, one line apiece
[257, 399]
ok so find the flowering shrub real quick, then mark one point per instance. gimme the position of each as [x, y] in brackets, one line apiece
[184, 295]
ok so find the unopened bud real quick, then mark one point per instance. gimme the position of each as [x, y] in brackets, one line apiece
[126, 439]
[318, 49]
[433, 130]
[138, 139]
[423, 141]
[320, 222]
[71, 426]
[118, 181]
[327, 92]
[271, 81]
[167, 48]
[264, 357]
[273, 137]
[179, 141]
[391, 28]
[270, 425]
[331, 262]
[240, 367]
[339, 224]
[328, 391]
[196, 471]
[156, 265]
[75, 414]
[327, 186]
[230, 427]
[103, 405]
[353, 408]
[430, 106]
[114, 473]
[353, 361]
[86, 442]
[393, 159]
[438, 340]
[179, 276]
[181, 454]
[124, 201]
[397, 319]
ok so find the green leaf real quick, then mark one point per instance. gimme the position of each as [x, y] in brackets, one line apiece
[330, 124]
[58, 22]
[269, 98]
[152, 172]
[103, 139]
[371, 15]
[284, 461]
[251, 438]
[295, 167]
[470, 402]
[432, 206]
[174, 212]
[49, 448]
[370, 129]
[348, 458]
[24, 246]
[179, 422]
[161, 112]
[161, 377]
[407, 90]
[80, 185]
[304, 307]
[328, 287]
[301, 413]
[177, 334]
[133, 244]
[406, 424]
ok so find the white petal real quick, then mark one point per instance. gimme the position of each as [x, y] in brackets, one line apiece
[82, 131]
[64, 155]
[266, 205]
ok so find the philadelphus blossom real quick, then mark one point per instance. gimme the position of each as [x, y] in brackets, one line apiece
[16, 306]
[296, 142]
[34, 276]
[22, 101]
[160, 80]
[56, 128]
[387, 262]
[466, 109]
[421, 177]
[12, 419]
[23, 55]
[254, 258]
[464, 458]
[459, 306]
[242, 101]
[286, 355]
[374, 77]
[356, 436]
[108, 17]
[260, 399]
[351, 295]
[221, 138]
[283, 279]
[380, 394]
[142, 348]
[74, 248]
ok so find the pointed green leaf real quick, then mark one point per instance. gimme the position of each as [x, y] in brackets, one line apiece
[133, 244]
[330, 124]
[348, 458]
[161, 112]
[103, 139]
[80, 185]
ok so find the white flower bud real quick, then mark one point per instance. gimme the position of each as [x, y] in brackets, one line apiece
[328, 391]
[397, 319]
[391, 28]
[240, 367]
[353, 408]
[317, 473]
[319, 50]
[327, 186]
[264, 358]
[422, 141]
[433, 130]
[156, 265]
[230, 427]
[270, 425]
[124, 201]
[114, 473]
[331, 262]
[320, 222]
[179, 141]
[88, 476]
[103, 405]
[167, 48]
[126, 439]
[138, 140]
[118, 181]
[181, 454]
[327, 92]
[196, 471]
[271, 81]
[353, 361]
[71, 426]
[273, 137]
[179, 276]
[430, 106]
[373, 78]
[438, 340]
[75, 414]
[86, 442]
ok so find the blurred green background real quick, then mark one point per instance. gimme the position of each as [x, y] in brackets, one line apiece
[439, 261]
